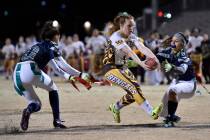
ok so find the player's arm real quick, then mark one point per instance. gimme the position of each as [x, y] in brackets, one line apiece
[70, 70]
[66, 67]
[52, 63]
[125, 48]
[146, 51]
[181, 69]
[164, 55]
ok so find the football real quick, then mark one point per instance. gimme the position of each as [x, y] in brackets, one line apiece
[151, 62]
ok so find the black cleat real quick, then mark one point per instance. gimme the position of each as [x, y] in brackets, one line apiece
[168, 123]
[25, 119]
[58, 124]
[175, 118]
[170, 120]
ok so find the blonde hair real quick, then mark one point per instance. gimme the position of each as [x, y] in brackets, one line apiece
[119, 20]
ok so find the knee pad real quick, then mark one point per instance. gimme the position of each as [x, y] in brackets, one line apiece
[34, 107]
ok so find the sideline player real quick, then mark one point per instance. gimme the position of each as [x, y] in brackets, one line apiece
[29, 72]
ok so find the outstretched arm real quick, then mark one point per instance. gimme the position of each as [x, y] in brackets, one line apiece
[66, 67]
[146, 51]
[58, 70]
[131, 54]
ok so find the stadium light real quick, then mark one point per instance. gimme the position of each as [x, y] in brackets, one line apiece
[87, 25]
[55, 23]
[6, 13]
[43, 3]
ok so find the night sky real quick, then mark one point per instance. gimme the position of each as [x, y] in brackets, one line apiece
[27, 16]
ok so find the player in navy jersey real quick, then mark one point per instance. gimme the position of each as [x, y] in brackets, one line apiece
[176, 62]
[29, 72]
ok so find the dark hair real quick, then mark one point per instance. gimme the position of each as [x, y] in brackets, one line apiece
[49, 31]
[118, 20]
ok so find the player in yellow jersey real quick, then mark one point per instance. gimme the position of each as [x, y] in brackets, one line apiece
[118, 50]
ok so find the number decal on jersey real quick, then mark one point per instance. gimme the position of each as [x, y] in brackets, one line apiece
[119, 42]
[30, 54]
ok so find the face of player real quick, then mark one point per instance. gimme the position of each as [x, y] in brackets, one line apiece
[128, 27]
[177, 44]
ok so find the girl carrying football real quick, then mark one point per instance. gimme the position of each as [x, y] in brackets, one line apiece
[118, 50]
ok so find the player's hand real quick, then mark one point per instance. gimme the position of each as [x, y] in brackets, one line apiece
[85, 76]
[167, 66]
[131, 63]
[72, 78]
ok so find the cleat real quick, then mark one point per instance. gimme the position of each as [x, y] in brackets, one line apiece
[58, 124]
[174, 119]
[115, 113]
[168, 122]
[25, 119]
[156, 111]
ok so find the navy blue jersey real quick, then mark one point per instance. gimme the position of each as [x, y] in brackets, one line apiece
[177, 60]
[41, 53]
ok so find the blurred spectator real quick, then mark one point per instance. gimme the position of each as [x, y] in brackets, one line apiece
[96, 45]
[196, 58]
[20, 46]
[205, 46]
[194, 41]
[9, 51]
[28, 42]
[153, 43]
[69, 52]
[107, 28]
[80, 50]
[62, 42]
[187, 33]
[33, 39]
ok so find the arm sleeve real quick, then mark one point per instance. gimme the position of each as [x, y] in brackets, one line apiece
[66, 67]
[58, 70]
[180, 69]
[164, 55]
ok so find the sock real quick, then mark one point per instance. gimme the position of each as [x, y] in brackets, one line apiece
[54, 102]
[33, 107]
[147, 107]
[118, 105]
[172, 106]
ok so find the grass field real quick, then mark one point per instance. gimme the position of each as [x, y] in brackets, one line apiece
[86, 116]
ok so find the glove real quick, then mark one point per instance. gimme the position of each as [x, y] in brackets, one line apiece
[85, 76]
[167, 66]
[72, 78]
[131, 64]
